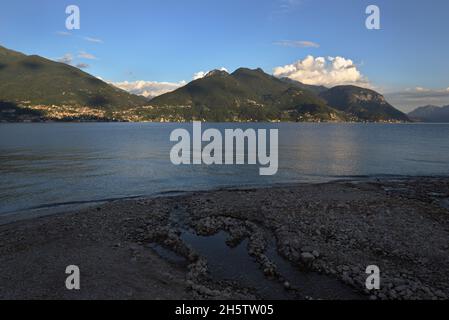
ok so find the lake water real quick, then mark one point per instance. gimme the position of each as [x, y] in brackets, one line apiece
[55, 164]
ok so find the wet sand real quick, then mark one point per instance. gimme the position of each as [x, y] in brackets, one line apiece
[304, 241]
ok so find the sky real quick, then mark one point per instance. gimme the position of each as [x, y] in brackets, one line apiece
[150, 46]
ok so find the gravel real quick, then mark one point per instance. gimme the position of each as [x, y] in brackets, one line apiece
[335, 229]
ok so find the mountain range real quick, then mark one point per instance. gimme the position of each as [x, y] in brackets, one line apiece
[430, 114]
[33, 88]
[254, 95]
[246, 95]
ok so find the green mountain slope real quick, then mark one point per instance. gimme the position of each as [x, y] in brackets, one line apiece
[33, 80]
[244, 95]
[363, 103]
[33, 88]
[312, 88]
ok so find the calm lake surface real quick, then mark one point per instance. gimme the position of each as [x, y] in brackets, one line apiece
[48, 165]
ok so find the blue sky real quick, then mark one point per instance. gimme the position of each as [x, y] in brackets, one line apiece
[171, 40]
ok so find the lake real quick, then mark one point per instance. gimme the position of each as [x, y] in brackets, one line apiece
[51, 165]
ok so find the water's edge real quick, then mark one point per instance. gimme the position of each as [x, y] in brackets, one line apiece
[75, 206]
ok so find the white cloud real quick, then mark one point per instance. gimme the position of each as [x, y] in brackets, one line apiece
[95, 40]
[286, 6]
[202, 74]
[421, 89]
[297, 44]
[82, 66]
[63, 33]
[426, 91]
[199, 75]
[149, 89]
[67, 59]
[85, 55]
[330, 71]
[409, 99]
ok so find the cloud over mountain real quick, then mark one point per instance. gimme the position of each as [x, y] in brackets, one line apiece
[202, 74]
[330, 71]
[409, 99]
[149, 89]
[67, 59]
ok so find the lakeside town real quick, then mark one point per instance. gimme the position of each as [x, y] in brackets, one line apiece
[67, 113]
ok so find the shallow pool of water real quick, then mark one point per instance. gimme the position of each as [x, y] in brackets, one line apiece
[235, 264]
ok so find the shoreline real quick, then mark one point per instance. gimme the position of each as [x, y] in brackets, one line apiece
[232, 122]
[308, 241]
[24, 214]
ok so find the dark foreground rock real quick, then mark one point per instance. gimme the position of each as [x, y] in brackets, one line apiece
[327, 233]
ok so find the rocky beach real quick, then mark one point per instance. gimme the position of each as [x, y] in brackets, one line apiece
[302, 241]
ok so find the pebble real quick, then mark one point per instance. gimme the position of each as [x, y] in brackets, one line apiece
[313, 232]
[307, 257]
[401, 288]
[440, 294]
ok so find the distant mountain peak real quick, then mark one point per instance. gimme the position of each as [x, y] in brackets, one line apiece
[428, 107]
[430, 113]
[243, 70]
[364, 103]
